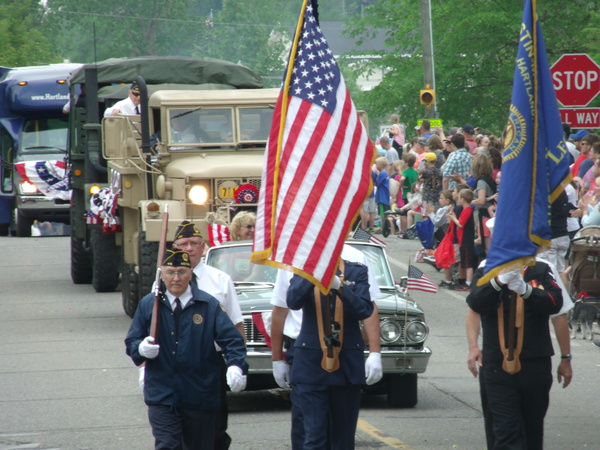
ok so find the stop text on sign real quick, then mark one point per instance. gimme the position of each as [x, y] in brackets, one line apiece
[575, 80]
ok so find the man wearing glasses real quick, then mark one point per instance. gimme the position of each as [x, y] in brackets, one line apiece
[586, 149]
[129, 106]
[218, 284]
[182, 367]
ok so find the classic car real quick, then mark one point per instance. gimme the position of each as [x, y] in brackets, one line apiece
[402, 322]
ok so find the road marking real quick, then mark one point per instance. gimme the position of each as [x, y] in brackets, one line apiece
[366, 427]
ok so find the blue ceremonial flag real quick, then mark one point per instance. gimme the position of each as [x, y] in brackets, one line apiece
[535, 166]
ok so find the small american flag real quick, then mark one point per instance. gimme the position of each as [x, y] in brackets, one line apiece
[218, 234]
[364, 235]
[418, 281]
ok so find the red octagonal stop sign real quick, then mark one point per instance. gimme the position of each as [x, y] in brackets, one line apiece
[576, 79]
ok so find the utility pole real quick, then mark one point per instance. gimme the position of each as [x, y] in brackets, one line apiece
[428, 63]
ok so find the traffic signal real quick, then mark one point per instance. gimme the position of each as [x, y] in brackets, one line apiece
[427, 96]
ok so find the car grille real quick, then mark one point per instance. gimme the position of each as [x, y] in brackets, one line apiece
[253, 336]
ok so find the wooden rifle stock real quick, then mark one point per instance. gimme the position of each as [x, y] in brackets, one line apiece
[157, 292]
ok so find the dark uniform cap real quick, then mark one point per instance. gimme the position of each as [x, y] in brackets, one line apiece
[176, 258]
[186, 230]
[135, 87]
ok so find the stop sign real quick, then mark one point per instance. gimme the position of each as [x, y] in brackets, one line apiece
[576, 79]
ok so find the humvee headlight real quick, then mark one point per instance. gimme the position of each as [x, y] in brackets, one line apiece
[417, 331]
[390, 331]
[198, 195]
[28, 188]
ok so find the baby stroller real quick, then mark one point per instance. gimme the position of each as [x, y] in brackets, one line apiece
[585, 268]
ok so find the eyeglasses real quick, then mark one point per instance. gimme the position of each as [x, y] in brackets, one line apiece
[187, 244]
[173, 273]
[135, 94]
[250, 227]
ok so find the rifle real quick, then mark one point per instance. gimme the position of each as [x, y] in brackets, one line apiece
[157, 283]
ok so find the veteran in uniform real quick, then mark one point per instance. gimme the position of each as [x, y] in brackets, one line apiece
[182, 376]
[329, 365]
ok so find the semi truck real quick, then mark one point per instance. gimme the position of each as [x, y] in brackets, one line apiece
[33, 146]
[196, 148]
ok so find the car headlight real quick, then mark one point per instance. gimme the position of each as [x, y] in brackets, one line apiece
[416, 331]
[198, 195]
[28, 188]
[389, 331]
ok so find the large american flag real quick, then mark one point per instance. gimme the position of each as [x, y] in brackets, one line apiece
[318, 158]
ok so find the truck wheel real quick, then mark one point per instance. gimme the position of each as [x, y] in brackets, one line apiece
[105, 270]
[23, 225]
[148, 252]
[402, 390]
[81, 262]
[129, 289]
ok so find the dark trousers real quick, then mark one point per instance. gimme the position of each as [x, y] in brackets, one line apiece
[222, 439]
[297, 432]
[337, 406]
[182, 428]
[518, 403]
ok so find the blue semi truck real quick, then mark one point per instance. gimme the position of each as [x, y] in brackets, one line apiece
[33, 143]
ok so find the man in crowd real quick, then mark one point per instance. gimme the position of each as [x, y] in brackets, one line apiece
[182, 381]
[468, 132]
[458, 162]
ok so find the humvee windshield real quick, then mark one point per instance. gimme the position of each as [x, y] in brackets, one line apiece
[216, 126]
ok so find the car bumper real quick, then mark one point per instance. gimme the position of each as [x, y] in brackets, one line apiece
[392, 361]
[43, 207]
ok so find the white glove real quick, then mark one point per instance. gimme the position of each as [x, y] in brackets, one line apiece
[504, 278]
[148, 349]
[281, 373]
[373, 370]
[336, 283]
[517, 285]
[235, 379]
[142, 372]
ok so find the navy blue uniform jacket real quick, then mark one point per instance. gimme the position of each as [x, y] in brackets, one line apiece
[307, 348]
[545, 299]
[186, 371]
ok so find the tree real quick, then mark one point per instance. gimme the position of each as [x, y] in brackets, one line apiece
[22, 42]
[475, 46]
[123, 28]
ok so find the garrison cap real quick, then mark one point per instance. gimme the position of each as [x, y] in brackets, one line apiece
[186, 230]
[176, 258]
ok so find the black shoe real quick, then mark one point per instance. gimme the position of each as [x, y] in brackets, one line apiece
[385, 228]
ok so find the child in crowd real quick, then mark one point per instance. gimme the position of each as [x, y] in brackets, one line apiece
[431, 177]
[439, 218]
[382, 183]
[465, 225]
[409, 175]
[399, 168]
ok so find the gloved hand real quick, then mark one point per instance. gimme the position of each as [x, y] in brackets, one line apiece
[373, 370]
[142, 374]
[518, 285]
[281, 373]
[336, 283]
[148, 349]
[235, 380]
[504, 278]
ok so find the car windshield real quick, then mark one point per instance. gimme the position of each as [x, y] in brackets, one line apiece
[201, 126]
[235, 262]
[255, 124]
[48, 135]
[377, 262]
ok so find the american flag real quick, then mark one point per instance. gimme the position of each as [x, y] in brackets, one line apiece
[218, 234]
[418, 281]
[318, 159]
[366, 236]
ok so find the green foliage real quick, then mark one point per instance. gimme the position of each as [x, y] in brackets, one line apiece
[475, 45]
[22, 42]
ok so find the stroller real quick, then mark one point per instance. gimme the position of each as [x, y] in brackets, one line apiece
[585, 271]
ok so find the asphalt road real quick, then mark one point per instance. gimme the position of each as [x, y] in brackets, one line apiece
[66, 383]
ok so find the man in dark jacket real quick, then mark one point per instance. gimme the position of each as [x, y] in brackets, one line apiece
[181, 385]
[329, 387]
[518, 402]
